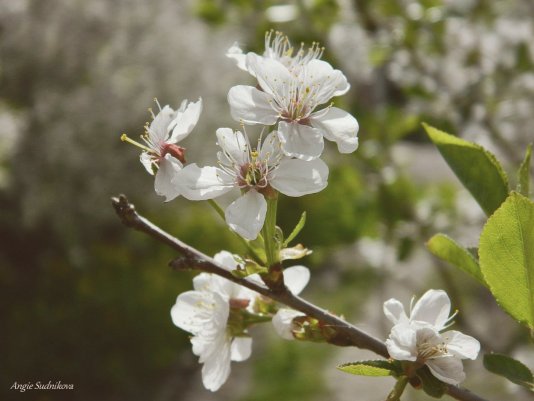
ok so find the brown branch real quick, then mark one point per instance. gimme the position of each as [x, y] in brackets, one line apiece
[191, 258]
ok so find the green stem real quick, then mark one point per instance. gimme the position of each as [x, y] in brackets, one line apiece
[217, 208]
[269, 230]
[243, 241]
[398, 389]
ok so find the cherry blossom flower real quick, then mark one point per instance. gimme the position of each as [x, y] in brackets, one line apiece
[441, 352]
[161, 155]
[278, 47]
[258, 173]
[214, 314]
[418, 337]
[290, 98]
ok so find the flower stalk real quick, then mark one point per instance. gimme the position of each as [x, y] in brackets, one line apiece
[397, 391]
[272, 248]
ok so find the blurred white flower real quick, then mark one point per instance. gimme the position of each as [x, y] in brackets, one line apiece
[256, 172]
[417, 337]
[291, 98]
[161, 155]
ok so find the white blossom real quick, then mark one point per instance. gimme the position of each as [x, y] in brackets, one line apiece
[161, 155]
[256, 172]
[441, 352]
[290, 98]
[206, 313]
[418, 337]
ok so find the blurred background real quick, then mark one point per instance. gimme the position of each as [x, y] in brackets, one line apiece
[86, 301]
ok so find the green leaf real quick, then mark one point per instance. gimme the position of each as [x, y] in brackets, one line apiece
[510, 368]
[431, 385]
[371, 368]
[448, 250]
[296, 230]
[506, 253]
[523, 175]
[478, 170]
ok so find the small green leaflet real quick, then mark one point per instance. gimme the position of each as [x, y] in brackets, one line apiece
[510, 368]
[371, 368]
[296, 230]
[448, 250]
[478, 170]
[506, 254]
[523, 175]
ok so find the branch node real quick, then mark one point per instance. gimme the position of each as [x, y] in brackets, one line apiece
[125, 210]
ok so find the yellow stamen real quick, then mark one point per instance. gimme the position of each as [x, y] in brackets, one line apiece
[125, 138]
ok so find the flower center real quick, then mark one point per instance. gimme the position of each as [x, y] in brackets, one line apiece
[426, 351]
[253, 175]
[174, 150]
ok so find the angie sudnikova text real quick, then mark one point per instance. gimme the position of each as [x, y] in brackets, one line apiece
[22, 387]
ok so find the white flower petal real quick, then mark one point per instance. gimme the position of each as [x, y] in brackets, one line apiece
[295, 177]
[200, 312]
[169, 168]
[252, 106]
[203, 282]
[461, 345]
[338, 126]
[246, 215]
[226, 260]
[197, 183]
[185, 121]
[330, 82]
[283, 322]
[216, 367]
[202, 345]
[433, 307]
[241, 348]
[296, 278]
[394, 311]
[159, 127]
[300, 141]
[271, 150]
[234, 143]
[146, 161]
[447, 369]
[402, 343]
[273, 77]
[237, 54]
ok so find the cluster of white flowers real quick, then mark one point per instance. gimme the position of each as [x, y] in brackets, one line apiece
[292, 95]
[419, 337]
[290, 89]
[218, 313]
